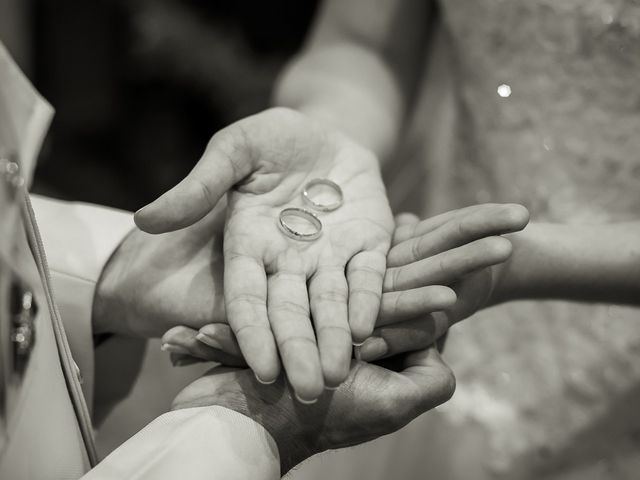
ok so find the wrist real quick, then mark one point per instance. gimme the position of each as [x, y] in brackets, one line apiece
[271, 406]
[107, 314]
[505, 281]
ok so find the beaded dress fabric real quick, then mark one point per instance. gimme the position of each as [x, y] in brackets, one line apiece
[544, 110]
[535, 102]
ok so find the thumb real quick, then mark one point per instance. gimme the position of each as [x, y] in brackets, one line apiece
[433, 378]
[225, 162]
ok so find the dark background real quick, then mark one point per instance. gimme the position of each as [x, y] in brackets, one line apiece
[139, 86]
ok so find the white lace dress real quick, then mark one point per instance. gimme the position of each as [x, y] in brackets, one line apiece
[535, 102]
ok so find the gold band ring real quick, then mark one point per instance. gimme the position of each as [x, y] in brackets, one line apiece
[323, 207]
[304, 214]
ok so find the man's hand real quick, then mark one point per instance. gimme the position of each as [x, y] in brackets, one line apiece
[274, 284]
[372, 402]
[154, 282]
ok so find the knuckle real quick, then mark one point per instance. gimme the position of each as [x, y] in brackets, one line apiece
[245, 298]
[366, 270]
[334, 329]
[289, 307]
[251, 329]
[205, 191]
[294, 341]
[331, 296]
[391, 279]
[287, 274]
[415, 249]
[366, 292]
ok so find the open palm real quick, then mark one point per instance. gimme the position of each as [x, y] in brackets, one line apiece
[273, 284]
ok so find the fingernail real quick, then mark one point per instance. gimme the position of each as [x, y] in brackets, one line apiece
[170, 347]
[183, 362]
[209, 340]
[356, 353]
[305, 402]
[373, 349]
[332, 389]
[356, 344]
[263, 382]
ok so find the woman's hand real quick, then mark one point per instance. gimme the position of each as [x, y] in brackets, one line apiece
[462, 249]
[273, 285]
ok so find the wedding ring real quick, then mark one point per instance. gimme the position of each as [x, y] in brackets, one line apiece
[310, 217]
[323, 207]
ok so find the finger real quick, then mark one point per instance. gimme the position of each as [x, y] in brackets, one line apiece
[182, 340]
[408, 231]
[402, 337]
[245, 291]
[181, 360]
[448, 267]
[225, 162]
[328, 294]
[434, 378]
[403, 220]
[365, 273]
[463, 227]
[407, 304]
[429, 224]
[288, 305]
[406, 218]
[220, 336]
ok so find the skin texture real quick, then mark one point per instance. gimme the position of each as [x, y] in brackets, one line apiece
[154, 282]
[461, 249]
[373, 401]
[274, 284]
[268, 158]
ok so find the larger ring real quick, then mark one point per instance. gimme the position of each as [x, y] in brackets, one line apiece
[302, 213]
[328, 207]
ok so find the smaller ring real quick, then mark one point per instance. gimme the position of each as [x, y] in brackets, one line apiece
[320, 206]
[302, 213]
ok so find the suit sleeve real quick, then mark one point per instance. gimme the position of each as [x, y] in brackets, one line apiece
[79, 239]
[196, 443]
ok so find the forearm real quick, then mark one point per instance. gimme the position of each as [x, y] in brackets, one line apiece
[588, 263]
[358, 70]
[318, 85]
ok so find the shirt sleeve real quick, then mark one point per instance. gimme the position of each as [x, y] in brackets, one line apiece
[79, 239]
[207, 443]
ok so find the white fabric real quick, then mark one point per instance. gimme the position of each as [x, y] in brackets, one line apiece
[24, 115]
[79, 239]
[195, 443]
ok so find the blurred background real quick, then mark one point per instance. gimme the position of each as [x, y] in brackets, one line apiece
[139, 86]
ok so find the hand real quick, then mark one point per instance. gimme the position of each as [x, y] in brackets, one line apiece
[461, 249]
[154, 282]
[372, 402]
[269, 158]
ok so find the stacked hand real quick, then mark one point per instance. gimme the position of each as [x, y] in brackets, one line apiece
[461, 248]
[274, 285]
[440, 271]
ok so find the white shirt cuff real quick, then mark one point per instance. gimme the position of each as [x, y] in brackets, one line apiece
[195, 443]
[79, 239]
